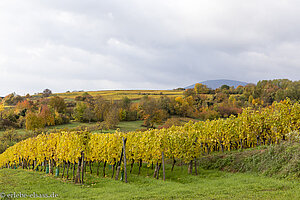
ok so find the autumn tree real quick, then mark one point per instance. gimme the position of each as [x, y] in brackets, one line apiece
[100, 108]
[201, 89]
[111, 119]
[46, 115]
[58, 104]
[33, 121]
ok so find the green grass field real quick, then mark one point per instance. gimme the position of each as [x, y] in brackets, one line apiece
[209, 184]
[122, 126]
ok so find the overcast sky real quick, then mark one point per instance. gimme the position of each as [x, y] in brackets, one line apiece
[145, 44]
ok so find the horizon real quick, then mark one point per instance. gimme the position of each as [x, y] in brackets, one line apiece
[81, 90]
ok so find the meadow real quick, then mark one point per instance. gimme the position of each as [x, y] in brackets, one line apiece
[209, 184]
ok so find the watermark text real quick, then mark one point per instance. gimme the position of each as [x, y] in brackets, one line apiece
[29, 195]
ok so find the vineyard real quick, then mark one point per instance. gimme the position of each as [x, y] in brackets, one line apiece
[253, 127]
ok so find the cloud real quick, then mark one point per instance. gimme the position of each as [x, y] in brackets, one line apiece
[93, 45]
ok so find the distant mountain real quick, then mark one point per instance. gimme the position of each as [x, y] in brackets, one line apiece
[213, 84]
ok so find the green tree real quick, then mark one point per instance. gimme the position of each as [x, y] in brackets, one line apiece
[79, 111]
[58, 104]
[46, 92]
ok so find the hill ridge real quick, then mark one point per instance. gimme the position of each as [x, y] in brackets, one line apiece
[213, 84]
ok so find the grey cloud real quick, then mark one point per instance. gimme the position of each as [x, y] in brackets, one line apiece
[91, 45]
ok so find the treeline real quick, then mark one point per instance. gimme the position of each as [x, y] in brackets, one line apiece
[199, 103]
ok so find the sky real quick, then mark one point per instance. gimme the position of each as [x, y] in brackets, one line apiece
[145, 44]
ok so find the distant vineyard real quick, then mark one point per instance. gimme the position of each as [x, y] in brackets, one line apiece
[119, 94]
[186, 143]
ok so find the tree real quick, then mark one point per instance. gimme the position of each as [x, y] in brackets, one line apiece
[83, 113]
[33, 121]
[189, 92]
[111, 118]
[79, 111]
[12, 99]
[47, 93]
[88, 114]
[225, 87]
[100, 108]
[201, 89]
[1, 110]
[47, 116]
[58, 104]
[125, 103]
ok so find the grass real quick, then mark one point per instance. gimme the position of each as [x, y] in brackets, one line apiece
[130, 126]
[212, 182]
[209, 184]
[281, 161]
[122, 126]
[19, 131]
[71, 125]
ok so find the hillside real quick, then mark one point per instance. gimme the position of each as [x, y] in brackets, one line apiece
[281, 161]
[213, 84]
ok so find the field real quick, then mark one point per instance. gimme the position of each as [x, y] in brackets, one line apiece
[122, 126]
[209, 184]
[119, 94]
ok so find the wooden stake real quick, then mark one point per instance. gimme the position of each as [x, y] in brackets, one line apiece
[158, 171]
[195, 161]
[82, 167]
[190, 167]
[118, 172]
[140, 165]
[68, 169]
[113, 171]
[104, 169]
[124, 151]
[131, 165]
[155, 171]
[63, 169]
[98, 168]
[173, 164]
[74, 166]
[163, 164]
[77, 177]
[91, 167]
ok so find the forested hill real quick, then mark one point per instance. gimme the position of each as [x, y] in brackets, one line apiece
[213, 84]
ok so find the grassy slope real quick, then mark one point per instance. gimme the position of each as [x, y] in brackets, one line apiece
[210, 184]
[282, 160]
